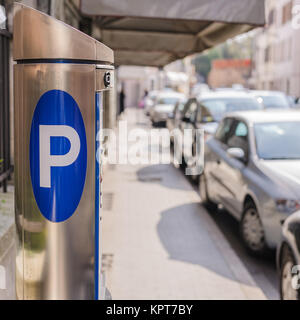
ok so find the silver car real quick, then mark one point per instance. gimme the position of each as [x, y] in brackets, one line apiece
[288, 259]
[164, 105]
[252, 168]
[149, 101]
[271, 99]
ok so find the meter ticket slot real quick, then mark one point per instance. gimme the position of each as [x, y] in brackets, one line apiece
[59, 77]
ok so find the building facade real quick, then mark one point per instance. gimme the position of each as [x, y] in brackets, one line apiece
[227, 72]
[276, 51]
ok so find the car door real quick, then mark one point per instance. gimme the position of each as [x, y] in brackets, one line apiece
[203, 117]
[188, 123]
[232, 169]
[175, 119]
[189, 114]
[178, 114]
[215, 150]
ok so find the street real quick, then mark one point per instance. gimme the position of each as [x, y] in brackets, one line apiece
[159, 242]
[263, 270]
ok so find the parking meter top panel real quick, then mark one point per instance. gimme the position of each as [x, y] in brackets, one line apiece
[62, 41]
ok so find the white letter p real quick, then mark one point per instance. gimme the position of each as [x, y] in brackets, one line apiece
[47, 160]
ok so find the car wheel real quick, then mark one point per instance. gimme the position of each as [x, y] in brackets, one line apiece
[183, 164]
[252, 230]
[287, 292]
[204, 193]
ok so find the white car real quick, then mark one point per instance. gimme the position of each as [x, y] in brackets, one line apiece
[164, 105]
[149, 101]
[271, 99]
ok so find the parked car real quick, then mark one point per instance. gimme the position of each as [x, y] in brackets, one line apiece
[200, 88]
[252, 168]
[272, 99]
[288, 259]
[175, 116]
[164, 104]
[205, 112]
[149, 101]
[294, 102]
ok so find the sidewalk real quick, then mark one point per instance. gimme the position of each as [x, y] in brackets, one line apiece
[7, 243]
[159, 242]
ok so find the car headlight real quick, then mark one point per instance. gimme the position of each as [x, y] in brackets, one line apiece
[287, 205]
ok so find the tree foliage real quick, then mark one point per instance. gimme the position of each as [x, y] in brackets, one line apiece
[232, 49]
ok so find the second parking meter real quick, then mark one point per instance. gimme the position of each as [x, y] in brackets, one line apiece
[59, 76]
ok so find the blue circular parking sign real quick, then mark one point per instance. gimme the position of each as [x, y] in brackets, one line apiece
[58, 155]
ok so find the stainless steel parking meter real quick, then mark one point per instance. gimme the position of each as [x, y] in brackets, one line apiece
[59, 77]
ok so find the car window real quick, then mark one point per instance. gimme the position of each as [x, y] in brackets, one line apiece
[274, 102]
[224, 129]
[239, 137]
[219, 106]
[178, 109]
[216, 108]
[168, 100]
[181, 106]
[204, 115]
[241, 130]
[278, 140]
[191, 110]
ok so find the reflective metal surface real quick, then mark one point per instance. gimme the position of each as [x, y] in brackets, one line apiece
[54, 260]
[100, 79]
[288, 257]
[37, 36]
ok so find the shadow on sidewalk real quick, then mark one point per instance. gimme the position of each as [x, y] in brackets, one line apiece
[184, 233]
[165, 174]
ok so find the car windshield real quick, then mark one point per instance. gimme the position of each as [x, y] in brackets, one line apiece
[218, 107]
[275, 102]
[279, 140]
[180, 106]
[168, 100]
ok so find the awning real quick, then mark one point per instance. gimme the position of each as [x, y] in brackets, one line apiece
[157, 32]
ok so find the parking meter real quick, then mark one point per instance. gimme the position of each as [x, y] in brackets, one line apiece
[59, 77]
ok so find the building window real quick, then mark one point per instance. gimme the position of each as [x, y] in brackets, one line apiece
[287, 12]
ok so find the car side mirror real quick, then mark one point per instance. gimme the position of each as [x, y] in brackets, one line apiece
[236, 153]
